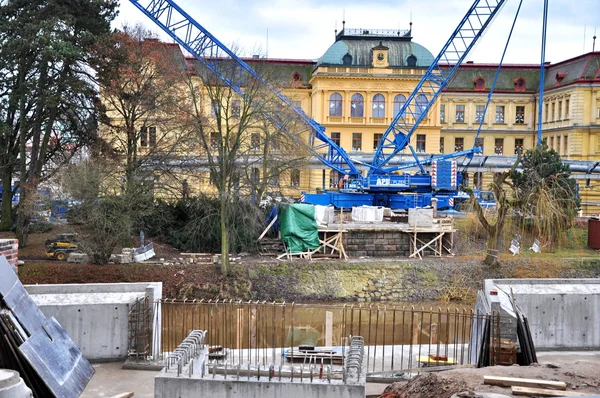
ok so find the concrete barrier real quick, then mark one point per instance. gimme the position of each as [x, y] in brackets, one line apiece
[96, 316]
[563, 314]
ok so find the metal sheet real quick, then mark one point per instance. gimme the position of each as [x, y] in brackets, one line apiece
[24, 309]
[57, 360]
[8, 277]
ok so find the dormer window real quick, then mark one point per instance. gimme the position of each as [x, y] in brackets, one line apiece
[411, 61]
[479, 83]
[559, 77]
[296, 79]
[519, 84]
[347, 59]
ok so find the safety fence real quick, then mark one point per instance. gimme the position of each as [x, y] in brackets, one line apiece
[395, 338]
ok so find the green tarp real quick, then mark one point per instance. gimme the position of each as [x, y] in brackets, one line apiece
[298, 227]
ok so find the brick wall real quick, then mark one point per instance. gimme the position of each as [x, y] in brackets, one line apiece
[9, 248]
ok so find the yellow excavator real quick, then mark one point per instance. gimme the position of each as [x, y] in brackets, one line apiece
[60, 247]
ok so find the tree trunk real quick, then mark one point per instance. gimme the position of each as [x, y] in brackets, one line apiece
[6, 221]
[225, 265]
[493, 244]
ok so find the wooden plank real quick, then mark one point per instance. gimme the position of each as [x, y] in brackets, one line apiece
[268, 228]
[124, 395]
[542, 392]
[514, 381]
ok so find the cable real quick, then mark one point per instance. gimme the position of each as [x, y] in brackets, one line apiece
[463, 166]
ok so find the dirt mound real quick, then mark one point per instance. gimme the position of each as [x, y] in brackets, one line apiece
[425, 386]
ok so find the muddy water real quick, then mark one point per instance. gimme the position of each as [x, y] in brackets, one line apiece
[267, 325]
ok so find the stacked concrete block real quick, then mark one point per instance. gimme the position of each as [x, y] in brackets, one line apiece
[420, 217]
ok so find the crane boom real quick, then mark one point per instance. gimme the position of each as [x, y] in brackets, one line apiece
[199, 42]
[397, 136]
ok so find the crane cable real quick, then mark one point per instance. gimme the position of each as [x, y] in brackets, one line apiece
[463, 166]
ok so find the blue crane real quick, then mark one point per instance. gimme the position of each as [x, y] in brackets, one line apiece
[382, 183]
[207, 49]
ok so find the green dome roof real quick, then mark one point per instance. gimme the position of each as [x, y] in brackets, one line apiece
[358, 53]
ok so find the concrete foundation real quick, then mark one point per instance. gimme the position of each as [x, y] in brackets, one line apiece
[96, 316]
[185, 387]
[563, 314]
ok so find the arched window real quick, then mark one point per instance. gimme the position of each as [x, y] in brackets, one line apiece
[421, 103]
[347, 59]
[335, 104]
[378, 105]
[399, 101]
[411, 61]
[357, 105]
[520, 84]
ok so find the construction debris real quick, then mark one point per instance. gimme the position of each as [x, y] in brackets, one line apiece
[38, 348]
[513, 381]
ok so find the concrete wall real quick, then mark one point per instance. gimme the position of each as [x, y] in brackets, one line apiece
[562, 313]
[96, 316]
[185, 387]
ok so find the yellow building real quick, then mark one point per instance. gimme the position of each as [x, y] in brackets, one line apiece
[357, 87]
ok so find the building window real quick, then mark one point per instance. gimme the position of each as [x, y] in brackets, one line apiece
[518, 145]
[520, 115]
[559, 148]
[214, 141]
[357, 105]
[499, 113]
[567, 109]
[235, 108]
[399, 101]
[459, 144]
[520, 84]
[212, 178]
[335, 104]
[378, 105]
[441, 144]
[566, 144]
[144, 137]
[460, 113]
[420, 105]
[152, 136]
[479, 84]
[546, 113]
[479, 144]
[551, 142]
[295, 178]
[420, 143]
[560, 113]
[357, 142]
[334, 178]
[255, 175]
[553, 113]
[442, 113]
[479, 113]
[255, 141]
[499, 146]
[335, 137]
[376, 139]
[214, 107]
[477, 180]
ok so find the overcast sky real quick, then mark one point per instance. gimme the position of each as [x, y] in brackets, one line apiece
[304, 29]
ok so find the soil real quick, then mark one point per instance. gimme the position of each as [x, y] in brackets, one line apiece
[580, 375]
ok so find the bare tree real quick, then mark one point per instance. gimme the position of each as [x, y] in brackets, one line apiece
[140, 109]
[238, 136]
[504, 192]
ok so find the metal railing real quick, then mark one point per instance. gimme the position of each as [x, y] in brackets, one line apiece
[395, 338]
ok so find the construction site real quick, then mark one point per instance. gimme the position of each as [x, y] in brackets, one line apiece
[457, 258]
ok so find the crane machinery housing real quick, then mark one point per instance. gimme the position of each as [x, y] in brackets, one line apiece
[383, 185]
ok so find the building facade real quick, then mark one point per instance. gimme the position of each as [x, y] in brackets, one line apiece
[358, 86]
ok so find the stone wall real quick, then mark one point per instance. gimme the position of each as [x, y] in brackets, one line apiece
[355, 282]
[386, 243]
[9, 248]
